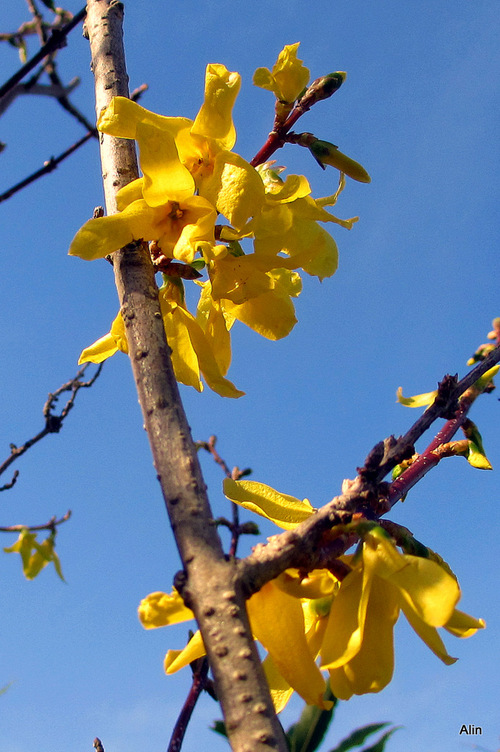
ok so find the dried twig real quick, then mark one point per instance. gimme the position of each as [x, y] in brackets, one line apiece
[56, 40]
[53, 423]
[53, 162]
[50, 525]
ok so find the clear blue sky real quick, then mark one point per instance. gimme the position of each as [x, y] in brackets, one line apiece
[415, 293]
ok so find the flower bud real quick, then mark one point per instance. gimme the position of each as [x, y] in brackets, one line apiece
[328, 154]
[323, 88]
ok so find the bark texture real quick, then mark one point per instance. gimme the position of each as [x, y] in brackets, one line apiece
[210, 583]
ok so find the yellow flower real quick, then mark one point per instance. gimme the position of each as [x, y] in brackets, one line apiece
[288, 77]
[177, 153]
[178, 228]
[271, 314]
[192, 353]
[355, 640]
[288, 224]
[357, 646]
[277, 622]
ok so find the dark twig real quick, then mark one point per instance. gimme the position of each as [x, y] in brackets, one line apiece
[53, 162]
[200, 672]
[234, 474]
[50, 69]
[56, 40]
[53, 423]
[48, 166]
[50, 525]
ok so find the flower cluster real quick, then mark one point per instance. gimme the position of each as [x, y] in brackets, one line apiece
[196, 204]
[344, 620]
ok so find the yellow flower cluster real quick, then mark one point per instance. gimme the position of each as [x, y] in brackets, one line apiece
[345, 622]
[191, 180]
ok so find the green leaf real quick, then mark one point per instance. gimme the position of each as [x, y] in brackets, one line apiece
[220, 728]
[358, 736]
[50, 5]
[380, 745]
[476, 455]
[307, 734]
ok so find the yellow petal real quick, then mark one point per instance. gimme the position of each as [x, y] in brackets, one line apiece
[371, 668]
[191, 351]
[280, 689]
[238, 279]
[319, 584]
[165, 177]
[428, 634]
[285, 511]
[418, 400]
[288, 77]
[346, 621]
[294, 187]
[422, 584]
[108, 345]
[161, 609]
[99, 237]
[214, 120]
[122, 116]
[463, 625]
[216, 328]
[271, 314]
[206, 359]
[277, 622]
[184, 358]
[235, 188]
[129, 193]
[177, 659]
[310, 248]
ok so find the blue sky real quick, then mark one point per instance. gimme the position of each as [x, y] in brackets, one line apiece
[415, 293]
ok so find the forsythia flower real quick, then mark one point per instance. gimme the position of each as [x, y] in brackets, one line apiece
[191, 177]
[288, 77]
[352, 630]
[273, 613]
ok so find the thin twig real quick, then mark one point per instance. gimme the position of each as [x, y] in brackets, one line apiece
[56, 40]
[200, 672]
[50, 525]
[234, 474]
[50, 165]
[53, 423]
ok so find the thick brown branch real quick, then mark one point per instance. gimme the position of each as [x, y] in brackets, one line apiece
[210, 587]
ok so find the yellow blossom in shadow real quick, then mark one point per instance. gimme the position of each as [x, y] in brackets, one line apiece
[354, 635]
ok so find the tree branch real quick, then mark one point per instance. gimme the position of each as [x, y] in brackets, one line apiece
[306, 547]
[53, 423]
[57, 39]
[209, 581]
